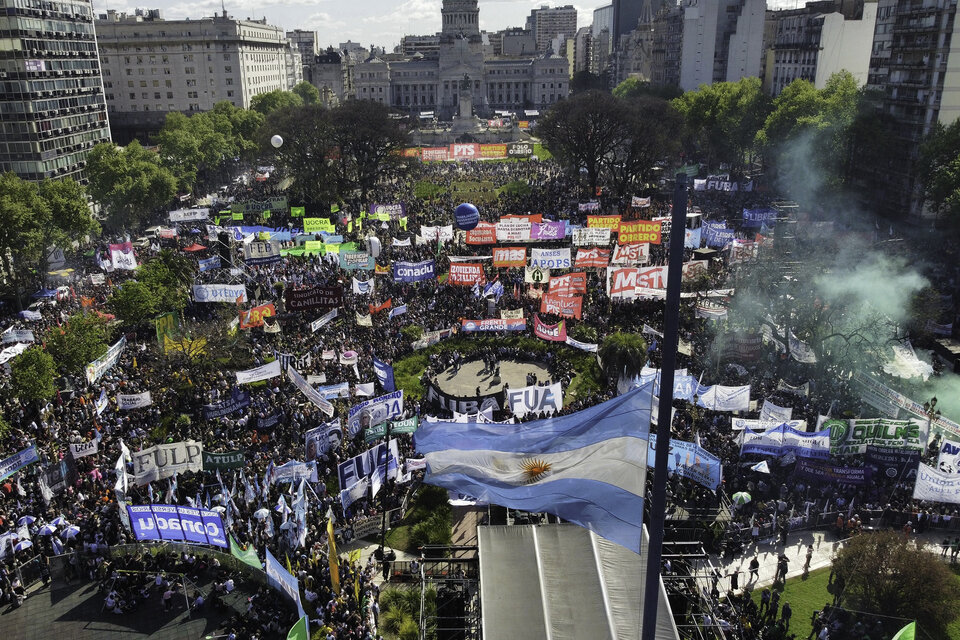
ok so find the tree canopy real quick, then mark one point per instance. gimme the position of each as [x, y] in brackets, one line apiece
[622, 354]
[939, 169]
[78, 342]
[32, 375]
[277, 100]
[368, 142]
[129, 182]
[307, 92]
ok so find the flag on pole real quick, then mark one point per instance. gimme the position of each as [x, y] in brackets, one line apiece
[299, 630]
[909, 632]
[332, 557]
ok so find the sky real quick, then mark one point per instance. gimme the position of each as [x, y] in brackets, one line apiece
[378, 22]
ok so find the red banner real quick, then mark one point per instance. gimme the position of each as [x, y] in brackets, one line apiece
[509, 256]
[560, 305]
[464, 151]
[631, 254]
[639, 231]
[569, 284]
[593, 257]
[434, 154]
[531, 218]
[603, 222]
[493, 151]
[553, 332]
[380, 307]
[465, 273]
[254, 317]
[483, 233]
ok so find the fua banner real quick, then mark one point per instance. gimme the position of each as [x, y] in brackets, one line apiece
[181, 524]
[166, 461]
[535, 399]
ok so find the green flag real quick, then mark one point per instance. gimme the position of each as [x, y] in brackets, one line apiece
[909, 632]
[248, 556]
[299, 630]
[297, 212]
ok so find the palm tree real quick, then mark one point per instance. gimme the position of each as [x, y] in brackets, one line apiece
[623, 354]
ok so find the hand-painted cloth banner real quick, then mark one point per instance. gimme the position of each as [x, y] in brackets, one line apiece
[374, 411]
[263, 372]
[936, 486]
[122, 257]
[167, 460]
[535, 399]
[770, 411]
[128, 401]
[179, 524]
[81, 449]
[688, 460]
[721, 398]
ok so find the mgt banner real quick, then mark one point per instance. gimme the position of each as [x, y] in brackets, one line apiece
[689, 461]
[166, 461]
[175, 523]
[535, 399]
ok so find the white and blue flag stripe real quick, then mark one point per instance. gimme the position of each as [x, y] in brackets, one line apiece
[588, 467]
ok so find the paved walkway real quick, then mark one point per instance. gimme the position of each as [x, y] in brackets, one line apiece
[463, 383]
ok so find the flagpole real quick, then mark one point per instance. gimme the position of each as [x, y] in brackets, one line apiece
[671, 332]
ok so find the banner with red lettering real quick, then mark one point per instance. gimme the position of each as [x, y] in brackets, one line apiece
[603, 222]
[466, 273]
[532, 218]
[639, 231]
[593, 257]
[553, 332]
[560, 305]
[254, 317]
[509, 256]
[569, 284]
[483, 233]
[434, 154]
[631, 254]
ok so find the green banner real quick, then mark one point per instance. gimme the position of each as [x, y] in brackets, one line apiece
[297, 212]
[228, 460]
[166, 324]
[405, 426]
[248, 555]
[397, 427]
[266, 214]
[237, 215]
[316, 225]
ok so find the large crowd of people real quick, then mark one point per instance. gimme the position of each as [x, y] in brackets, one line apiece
[271, 431]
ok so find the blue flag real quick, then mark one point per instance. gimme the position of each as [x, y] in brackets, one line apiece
[587, 467]
[384, 373]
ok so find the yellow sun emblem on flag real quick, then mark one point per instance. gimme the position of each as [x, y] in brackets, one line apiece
[535, 469]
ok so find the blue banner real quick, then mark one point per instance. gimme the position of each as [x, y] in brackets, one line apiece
[756, 218]
[414, 271]
[384, 374]
[691, 238]
[238, 400]
[18, 461]
[172, 522]
[717, 235]
[210, 263]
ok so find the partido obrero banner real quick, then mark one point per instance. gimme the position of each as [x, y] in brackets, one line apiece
[178, 524]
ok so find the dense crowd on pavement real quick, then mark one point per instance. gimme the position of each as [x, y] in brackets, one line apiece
[272, 429]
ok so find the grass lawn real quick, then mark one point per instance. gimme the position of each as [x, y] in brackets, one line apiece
[805, 597]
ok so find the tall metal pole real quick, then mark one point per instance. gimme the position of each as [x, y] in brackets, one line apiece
[671, 332]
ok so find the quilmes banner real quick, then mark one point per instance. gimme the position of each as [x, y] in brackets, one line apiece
[313, 298]
[180, 524]
[822, 472]
[167, 460]
[414, 271]
[872, 389]
[228, 460]
[374, 411]
[851, 437]
[238, 400]
[9, 466]
[689, 461]
[936, 486]
[100, 366]
[230, 293]
[535, 399]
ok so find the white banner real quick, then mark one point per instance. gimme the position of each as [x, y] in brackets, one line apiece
[801, 351]
[123, 259]
[550, 258]
[323, 320]
[220, 293]
[535, 399]
[125, 402]
[773, 412]
[263, 372]
[720, 398]
[99, 366]
[513, 230]
[739, 424]
[949, 460]
[309, 391]
[936, 486]
[83, 449]
[166, 461]
[536, 275]
[631, 254]
[17, 335]
[363, 287]
[585, 346]
[587, 237]
[189, 215]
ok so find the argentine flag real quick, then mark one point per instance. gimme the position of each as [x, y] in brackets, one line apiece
[588, 468]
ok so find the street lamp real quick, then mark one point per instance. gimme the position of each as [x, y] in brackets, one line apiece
[930, 408]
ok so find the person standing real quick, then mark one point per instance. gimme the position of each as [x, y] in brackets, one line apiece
[785, 614]
[764, 601]
[754, 569]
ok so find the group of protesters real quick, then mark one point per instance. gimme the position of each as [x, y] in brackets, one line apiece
[271, 431]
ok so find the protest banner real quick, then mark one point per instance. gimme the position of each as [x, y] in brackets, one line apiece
[851, 437]
[315, 297]
[238, 400]
[639, 231]
[822, 472]
[82, 449]
[483, 233]
[510, 256]
[688, 460]
[604, 222]
[513, 230]
[535, 399]
[568, 284]
[414, 271]
[255, 316]
[466, 273]
[177, 524]
[591, 236]
[128, 401]
[493, 324]
[551, 258]
[228, 460]
[552, 332]
[12, 464]
[562, 305]
[593, 257]
[374, 411]
[166, 460]
[229, 293]
[936, 486]
[548, 231]
[263, 372]
[100, 366]
[631, 254]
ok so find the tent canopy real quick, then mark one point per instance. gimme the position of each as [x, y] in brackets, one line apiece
[563, 582]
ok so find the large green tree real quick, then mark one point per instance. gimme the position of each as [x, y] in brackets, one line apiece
[886, 574]
[129, 182]
[267, 103]
[133, 303]
[368, 143]
[939, 170]
[168, 277]
[78, 342]
[32, 217]
[305, 153]
[721, 120]
[33, 374]
[622, 354]
[652, 130]
[307, 92]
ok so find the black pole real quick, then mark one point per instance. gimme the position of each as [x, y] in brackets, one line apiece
[383, 505]
[671, 332]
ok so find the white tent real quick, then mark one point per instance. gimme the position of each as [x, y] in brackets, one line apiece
[563, 582]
